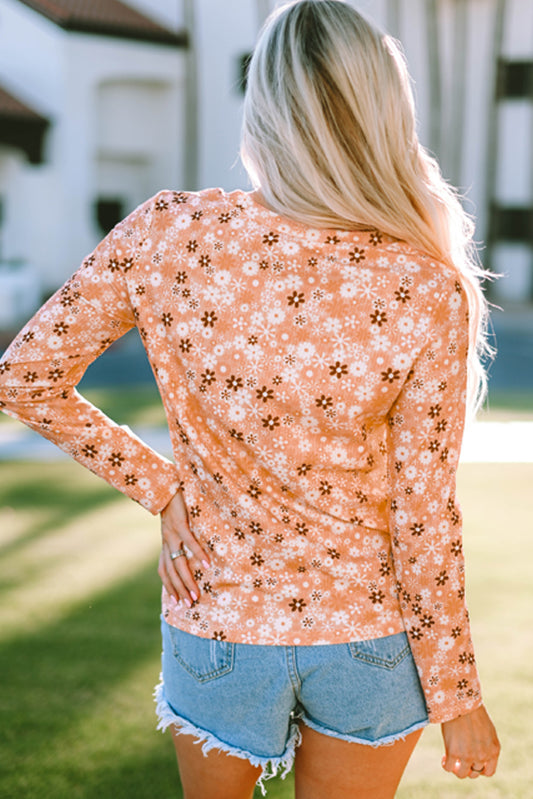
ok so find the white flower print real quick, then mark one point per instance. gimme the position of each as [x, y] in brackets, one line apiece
[455, 301]
[257, 319]
[405, 325]
[282, 624]
[332, 325]
[292, 282]
[182, 222]
[339, 618]
[222, 277]
[306, 351]
[364, 393]
[276, 316]
[358, 368]
[233, 247]
[288, 447]
[401, 361]
[290, 247]
[349, 290]
[250, 268]
[337, 455]
[311, 238]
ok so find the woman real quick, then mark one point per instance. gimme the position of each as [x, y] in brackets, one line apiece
[311, 342]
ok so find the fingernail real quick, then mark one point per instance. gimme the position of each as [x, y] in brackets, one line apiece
[205, 564]
[194, 597]
[173, 600]
[188, 602]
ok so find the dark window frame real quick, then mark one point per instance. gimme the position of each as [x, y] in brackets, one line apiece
[514, 80]
[511, 224]
[243, 67]
[109, 210]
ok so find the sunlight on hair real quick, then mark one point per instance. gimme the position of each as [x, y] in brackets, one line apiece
[329, 139]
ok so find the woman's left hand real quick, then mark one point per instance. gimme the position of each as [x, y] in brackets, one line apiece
[174, 568]
[471, 744]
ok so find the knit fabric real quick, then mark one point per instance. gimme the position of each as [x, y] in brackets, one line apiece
[314, 384]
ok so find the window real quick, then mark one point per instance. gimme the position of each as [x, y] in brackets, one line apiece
[512, 224]
[109, 211]
[2, 219]
[244, 65]
[515, 80]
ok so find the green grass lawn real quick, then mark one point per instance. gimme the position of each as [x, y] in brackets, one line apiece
[79, 639]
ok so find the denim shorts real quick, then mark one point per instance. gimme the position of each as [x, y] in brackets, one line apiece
[248, 700]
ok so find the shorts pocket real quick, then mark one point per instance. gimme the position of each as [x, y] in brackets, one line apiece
[203, 658]
[386, 653]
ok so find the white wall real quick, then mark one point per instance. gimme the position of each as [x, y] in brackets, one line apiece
[31, 57]
[34, 71]
[167, 12]
[225, 31]
[12, 231]
[69, 78]
[87, 138]
[20, 282]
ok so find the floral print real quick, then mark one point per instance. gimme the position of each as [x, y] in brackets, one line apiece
[314, 385]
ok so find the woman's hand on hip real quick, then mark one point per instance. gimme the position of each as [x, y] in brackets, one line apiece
[471, 745]
[179, 547]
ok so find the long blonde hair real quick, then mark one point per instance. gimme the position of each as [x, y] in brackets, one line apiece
[329, 137]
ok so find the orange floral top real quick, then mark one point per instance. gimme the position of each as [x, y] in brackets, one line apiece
[314, 385]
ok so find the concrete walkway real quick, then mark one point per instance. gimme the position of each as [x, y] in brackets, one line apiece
[498, 442]
[485, 442]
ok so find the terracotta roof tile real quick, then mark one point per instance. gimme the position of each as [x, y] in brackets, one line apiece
[11, 107]
[105, 17]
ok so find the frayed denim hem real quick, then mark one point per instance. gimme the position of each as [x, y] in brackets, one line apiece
[388, 740]
[270, 765]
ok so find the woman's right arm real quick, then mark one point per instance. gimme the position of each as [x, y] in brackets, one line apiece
[39, 371]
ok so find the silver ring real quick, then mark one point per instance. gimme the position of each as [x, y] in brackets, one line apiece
[178, 553]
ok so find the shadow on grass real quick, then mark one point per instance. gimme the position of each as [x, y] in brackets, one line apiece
[56, 678]
[150, 773]
[61, 739]
[35, 487]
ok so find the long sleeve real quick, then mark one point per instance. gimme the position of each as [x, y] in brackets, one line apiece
[426, 429]
[42, 366]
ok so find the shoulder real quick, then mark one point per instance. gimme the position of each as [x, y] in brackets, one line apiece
[172, 213]
[430, 278]
[207, 201]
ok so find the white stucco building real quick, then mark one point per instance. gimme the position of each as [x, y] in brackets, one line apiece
[109, 106]
[110, 93]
